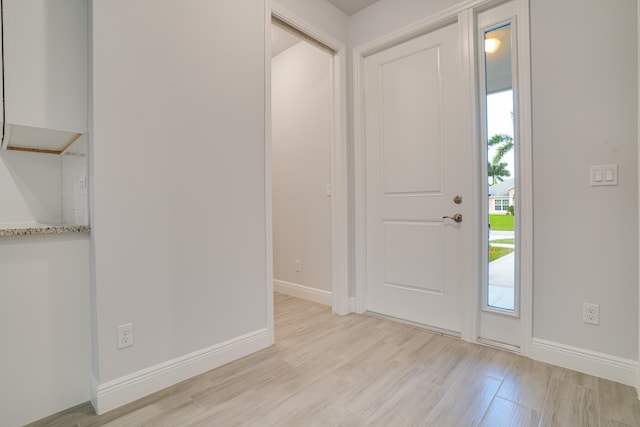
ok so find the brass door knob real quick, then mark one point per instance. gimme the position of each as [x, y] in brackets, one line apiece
[457, 217]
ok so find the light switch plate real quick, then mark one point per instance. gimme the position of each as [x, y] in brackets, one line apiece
[603, 175]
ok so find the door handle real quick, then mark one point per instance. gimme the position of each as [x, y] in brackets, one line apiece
[457, 217]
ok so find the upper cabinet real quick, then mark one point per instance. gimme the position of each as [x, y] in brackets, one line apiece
[45, 73]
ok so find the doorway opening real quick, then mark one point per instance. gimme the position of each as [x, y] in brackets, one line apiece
[386, 241]
[301, 134]
[319, 272]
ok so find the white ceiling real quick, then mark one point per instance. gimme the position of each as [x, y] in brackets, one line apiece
[351, 6]
[498, 63]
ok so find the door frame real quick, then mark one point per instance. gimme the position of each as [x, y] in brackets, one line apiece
[339, 168]
[465, 14]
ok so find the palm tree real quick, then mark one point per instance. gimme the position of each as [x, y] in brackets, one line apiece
[497, 172]
[504, 144]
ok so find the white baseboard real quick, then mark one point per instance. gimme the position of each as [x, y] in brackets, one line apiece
[123, 390]
[589, 362]
[301, 291]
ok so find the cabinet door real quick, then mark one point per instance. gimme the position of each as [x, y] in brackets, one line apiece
[45, 64]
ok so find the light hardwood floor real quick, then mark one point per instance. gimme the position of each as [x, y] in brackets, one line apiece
[354, 370]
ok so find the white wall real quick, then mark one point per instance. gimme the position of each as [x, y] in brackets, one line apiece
[301, 157]
[584, 88]
[584, 113]
[44, 324]
[30, 188]
[178, 177]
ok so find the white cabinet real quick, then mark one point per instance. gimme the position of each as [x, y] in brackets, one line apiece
[45, 73]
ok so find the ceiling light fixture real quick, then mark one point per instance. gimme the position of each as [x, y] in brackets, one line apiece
[491, 45]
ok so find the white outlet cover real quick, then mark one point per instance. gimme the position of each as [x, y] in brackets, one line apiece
[125, 335]
[591, 313]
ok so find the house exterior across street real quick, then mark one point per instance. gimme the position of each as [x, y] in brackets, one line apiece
[501, 196]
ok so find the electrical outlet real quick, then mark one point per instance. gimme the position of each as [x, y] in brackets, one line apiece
[125, 335]
[591, 313]
[298, 265]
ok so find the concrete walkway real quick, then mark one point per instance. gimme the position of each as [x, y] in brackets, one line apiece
[502, 274]
[501, 234]
[502, 271]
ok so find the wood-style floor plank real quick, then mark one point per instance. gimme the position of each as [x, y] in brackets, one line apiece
[618, 403]
[527, 383]
[570, 404]
[465, 402]
[354, 370]
[508, 414]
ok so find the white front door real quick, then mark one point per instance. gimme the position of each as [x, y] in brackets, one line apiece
[417, 162]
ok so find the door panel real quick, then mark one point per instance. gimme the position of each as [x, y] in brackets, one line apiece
[411, 91]
[412, 254]
[416, 162]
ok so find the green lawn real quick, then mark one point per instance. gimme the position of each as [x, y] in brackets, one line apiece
[501, 222]
[495, 253]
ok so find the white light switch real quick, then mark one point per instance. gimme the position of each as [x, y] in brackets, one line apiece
[608, 175]
[604, 175]
[597, 175]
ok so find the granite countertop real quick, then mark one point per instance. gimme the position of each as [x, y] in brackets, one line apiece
[40, 230]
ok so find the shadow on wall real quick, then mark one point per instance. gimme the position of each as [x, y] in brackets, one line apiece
[30, 188]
